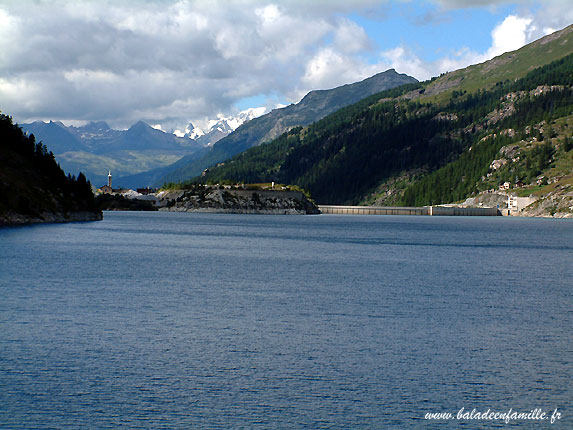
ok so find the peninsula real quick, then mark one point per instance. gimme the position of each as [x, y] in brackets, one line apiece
[238, 199]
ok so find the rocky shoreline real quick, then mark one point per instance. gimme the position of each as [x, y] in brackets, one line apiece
[14, 219]
[552, 205]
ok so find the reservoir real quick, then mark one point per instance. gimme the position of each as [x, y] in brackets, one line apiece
[178, 320]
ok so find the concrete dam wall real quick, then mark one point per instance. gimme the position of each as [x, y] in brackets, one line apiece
[426, 210]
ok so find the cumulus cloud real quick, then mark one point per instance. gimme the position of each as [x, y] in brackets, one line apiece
[548, 16]
[510, 35]
[167, 61]
[171, 61]
[350, 38]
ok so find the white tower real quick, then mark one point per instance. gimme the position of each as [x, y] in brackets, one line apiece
[109, 179]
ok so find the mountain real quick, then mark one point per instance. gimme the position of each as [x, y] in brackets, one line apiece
[150, 178]
[141, 136]
[95, 148]
[60, 138]
[33, 188]
[312, 107]
[435, 142]
[220, 127]
[93, 133]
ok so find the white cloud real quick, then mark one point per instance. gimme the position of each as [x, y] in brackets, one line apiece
[405, 61]
[323, 70]
[268, 14]
[167, 61]
[350, 38]
[547, 16]
[171, 61]
[510, 35]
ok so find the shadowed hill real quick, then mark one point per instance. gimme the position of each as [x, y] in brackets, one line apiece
[33, 187]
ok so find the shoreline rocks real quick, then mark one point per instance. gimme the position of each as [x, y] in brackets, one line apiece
[14, 219]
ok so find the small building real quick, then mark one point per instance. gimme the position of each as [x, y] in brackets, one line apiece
[106, 189]
[145, 191]
[516, 204]
[505, 186]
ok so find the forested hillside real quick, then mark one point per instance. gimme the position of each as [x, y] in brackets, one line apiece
[343, 157]
[531, 105]
[33, 187]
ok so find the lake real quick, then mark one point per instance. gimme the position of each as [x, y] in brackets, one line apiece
[175, 320]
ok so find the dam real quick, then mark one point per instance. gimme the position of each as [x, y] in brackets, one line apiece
[425, 210]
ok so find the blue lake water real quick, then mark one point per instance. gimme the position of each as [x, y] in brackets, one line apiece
[174, 320]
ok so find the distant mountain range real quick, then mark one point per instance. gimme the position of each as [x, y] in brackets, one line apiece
[145, 156]
[96, 148]
[219, 128]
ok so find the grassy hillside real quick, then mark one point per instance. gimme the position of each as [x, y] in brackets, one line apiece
[508, 66]
[529, 123]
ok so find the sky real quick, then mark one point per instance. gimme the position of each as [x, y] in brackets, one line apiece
[170, 62]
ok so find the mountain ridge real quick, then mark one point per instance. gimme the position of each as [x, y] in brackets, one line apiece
[313, 106]
[509, 65]
[96, 148]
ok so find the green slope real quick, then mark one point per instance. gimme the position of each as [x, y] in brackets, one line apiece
[508, 66]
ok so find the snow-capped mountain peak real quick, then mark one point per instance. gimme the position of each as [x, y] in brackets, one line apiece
[190, 132]
[193, 132]
[216, 129]
[235, 122]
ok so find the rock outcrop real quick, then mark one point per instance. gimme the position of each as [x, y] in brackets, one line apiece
[221, 200]
[553, 205]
